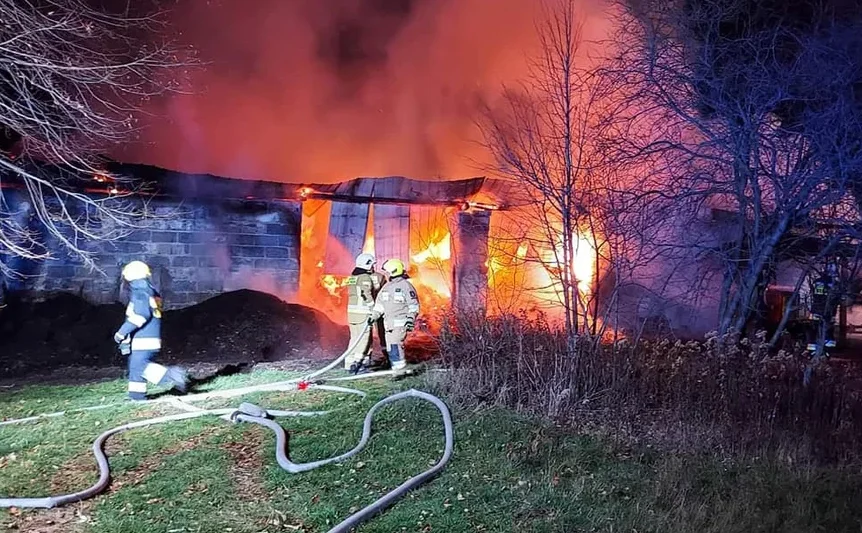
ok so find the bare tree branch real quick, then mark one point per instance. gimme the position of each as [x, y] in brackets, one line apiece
[72, 77]
[699, 108]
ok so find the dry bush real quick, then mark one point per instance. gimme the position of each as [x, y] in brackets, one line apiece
[725, 394]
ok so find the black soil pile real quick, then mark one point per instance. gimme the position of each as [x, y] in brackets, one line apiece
[242, 326]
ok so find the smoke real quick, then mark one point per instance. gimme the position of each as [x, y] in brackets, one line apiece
[311, 90]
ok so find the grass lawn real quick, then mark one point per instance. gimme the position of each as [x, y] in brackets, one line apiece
[508, 473]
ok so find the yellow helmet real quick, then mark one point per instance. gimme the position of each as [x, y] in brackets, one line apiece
[394, 267]
[136, 270]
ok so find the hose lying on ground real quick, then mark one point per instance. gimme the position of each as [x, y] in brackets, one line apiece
[281, 454]
[253, 414]
[278, 386]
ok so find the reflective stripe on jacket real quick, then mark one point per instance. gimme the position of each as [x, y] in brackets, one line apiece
[361, 291]
[143, 317]
[397, 303]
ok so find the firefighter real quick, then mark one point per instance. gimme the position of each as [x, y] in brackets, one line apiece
[362, 288]
[822, 308]
[398, 305]
[140, 335]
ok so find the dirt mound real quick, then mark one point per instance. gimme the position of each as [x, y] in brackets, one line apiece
[241, 326]
[249, 326]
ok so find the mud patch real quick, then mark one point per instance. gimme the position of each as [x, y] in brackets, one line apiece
[81, 471]
[69, 519]
[247, 463]
[150, 464]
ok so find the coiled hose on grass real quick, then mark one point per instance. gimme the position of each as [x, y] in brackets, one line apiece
[252, 414]
[281, 454]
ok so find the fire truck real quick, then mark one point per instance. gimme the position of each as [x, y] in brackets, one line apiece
[822, 297]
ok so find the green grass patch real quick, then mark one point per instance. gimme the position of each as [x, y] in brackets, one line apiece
[508, 473]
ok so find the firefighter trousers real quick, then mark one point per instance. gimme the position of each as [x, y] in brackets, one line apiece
[141, 370]
[360, 334]
[395, 346]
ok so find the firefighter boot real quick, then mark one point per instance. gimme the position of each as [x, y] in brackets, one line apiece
[379, 365]
[178, 377]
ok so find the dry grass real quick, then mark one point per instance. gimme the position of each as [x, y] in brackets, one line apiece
[727, 395]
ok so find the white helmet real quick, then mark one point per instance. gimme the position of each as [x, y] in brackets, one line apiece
[136, 270]
[366, 261]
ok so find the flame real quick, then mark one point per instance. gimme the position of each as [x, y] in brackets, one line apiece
[523, 275]
[582, 266]
[431, 265]
[440, 251]
[368, 247]
[524, 270]
[332, 284]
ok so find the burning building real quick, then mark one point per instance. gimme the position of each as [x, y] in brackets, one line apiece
[440, 229]
[207, 235]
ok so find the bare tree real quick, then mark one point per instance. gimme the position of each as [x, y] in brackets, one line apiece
[72, 77]
[707, 100]
[547, 135]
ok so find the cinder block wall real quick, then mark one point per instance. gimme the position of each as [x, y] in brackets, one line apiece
[196, 250]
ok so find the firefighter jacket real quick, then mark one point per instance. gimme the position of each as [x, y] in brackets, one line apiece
[397, 303]
[143, 317]
[821, 298]
[362, 289]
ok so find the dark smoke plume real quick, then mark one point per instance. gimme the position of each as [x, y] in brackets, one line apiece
[325, 90]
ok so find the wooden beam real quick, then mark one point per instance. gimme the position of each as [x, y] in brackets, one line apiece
[347, 225]
[391, 232]
[469, 261]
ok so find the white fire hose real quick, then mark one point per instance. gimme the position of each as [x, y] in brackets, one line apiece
[251, 413]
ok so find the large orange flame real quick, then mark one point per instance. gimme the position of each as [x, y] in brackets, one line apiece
[582, 267]
[523, 274]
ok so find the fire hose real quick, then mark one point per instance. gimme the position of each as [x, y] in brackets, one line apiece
[251, 413]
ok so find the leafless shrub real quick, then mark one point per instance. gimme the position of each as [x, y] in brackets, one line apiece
[726, 393]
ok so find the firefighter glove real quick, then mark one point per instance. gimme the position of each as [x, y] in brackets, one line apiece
[410, 324]
[119, 337]
[125, 348]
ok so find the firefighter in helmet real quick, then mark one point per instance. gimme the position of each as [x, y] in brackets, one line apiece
[140, 336]
[362, 288]
[824, 302]
[398, 305]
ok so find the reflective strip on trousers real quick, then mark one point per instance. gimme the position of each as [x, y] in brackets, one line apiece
[146, 344]
[137, 386]
[155, 373]
[359, 309]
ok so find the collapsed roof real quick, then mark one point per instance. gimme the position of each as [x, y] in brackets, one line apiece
[481, 192]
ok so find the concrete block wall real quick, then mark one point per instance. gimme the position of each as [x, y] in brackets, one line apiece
[196, 251]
